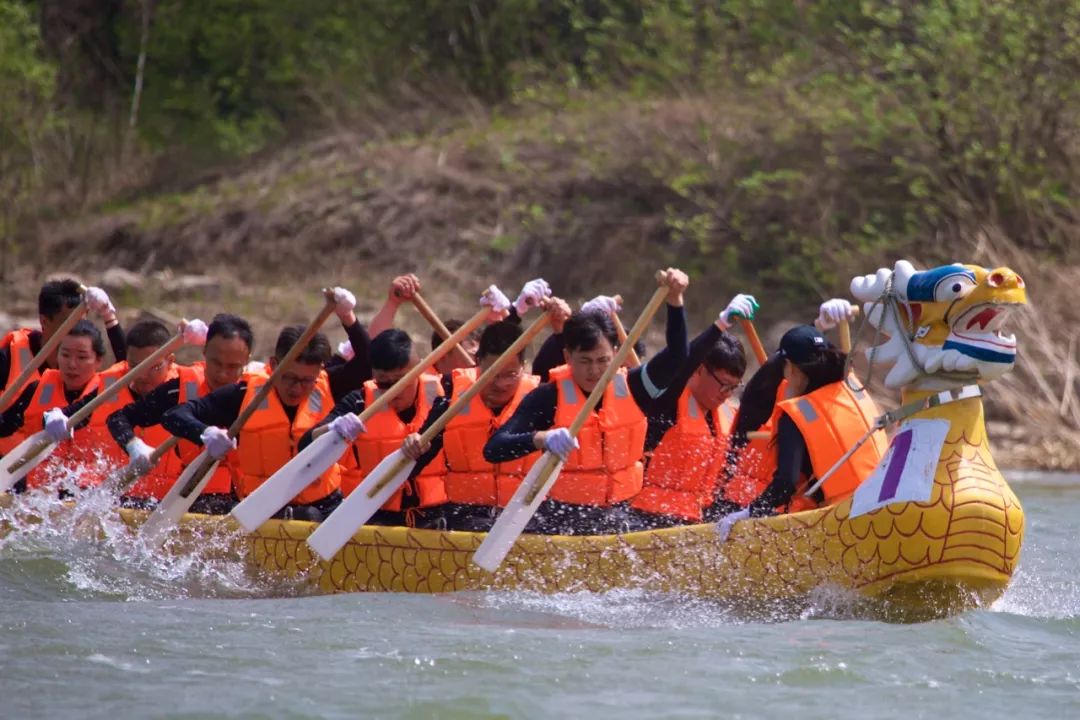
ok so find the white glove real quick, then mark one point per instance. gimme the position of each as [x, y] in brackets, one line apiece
[344, 302]
[741, 306]
[532, 294]
[217, 442]
[348, 426]
[97, 302]
[194, 332]
[494, 298]
[723, 528]
[832, 312]
[344, 349]
[56, 425]
[560, 442]
[140, 453]
[603, 304]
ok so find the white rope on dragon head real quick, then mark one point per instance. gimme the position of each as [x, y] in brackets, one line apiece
[944, 325]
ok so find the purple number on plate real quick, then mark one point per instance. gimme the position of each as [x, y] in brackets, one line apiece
[901, 448]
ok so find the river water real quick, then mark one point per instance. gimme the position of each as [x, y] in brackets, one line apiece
[93, 628]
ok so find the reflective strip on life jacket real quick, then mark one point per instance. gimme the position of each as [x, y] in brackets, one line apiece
[832, 419]
[384, 435]
[607, 468]
[268, 440]
[685, 465]
[470, 479]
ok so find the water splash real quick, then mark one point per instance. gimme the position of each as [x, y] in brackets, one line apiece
[103, 558]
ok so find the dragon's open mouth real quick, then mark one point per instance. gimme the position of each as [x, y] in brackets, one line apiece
[982, 325]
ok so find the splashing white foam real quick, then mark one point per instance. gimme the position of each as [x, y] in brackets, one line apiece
[105, 557]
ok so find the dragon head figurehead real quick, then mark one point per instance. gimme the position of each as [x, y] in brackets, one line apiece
[944, 325]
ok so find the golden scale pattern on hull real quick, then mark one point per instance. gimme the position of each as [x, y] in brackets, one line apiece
[960, 547]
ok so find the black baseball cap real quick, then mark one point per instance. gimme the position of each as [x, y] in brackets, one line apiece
[802, 344]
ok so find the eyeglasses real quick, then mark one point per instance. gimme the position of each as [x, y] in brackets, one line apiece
[724, 386]
[289, 379]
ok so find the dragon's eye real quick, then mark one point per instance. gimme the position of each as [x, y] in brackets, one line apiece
[952, 287]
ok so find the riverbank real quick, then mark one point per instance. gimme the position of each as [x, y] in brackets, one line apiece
[585, 195]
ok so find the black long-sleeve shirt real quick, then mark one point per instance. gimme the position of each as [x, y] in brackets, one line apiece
[117, 342]
[149, 410]
[537, 409]
[792, 460]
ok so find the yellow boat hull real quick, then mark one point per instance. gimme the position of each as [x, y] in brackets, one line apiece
[906, 560]
[957, 550]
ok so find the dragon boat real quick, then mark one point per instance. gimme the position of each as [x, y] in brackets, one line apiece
[935, 529]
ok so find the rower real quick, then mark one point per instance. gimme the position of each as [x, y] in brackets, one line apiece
[56, 300]
[689, 425]
[603, 465]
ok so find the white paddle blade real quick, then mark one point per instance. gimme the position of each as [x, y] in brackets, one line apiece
[23, 458]
[515, 516]
[358, 508]
[284, 485]
[173, 506]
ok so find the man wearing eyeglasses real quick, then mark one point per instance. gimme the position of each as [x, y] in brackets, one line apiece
[689, 425]
[302, 396]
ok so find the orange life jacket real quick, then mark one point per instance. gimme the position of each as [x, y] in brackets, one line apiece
[156, 482]
[268, 440]
[17, 342]
[832, 419]
[385, 433]
[607, 468]
[80, 457]
[685, 465]
[470, 479]
[755, 462]
[193, 385]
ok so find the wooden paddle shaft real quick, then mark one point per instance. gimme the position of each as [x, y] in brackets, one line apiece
[129, 475]
[34, 454]
[424, 365]
[634, 360]
[433, 319]
[755, 341]
[106, 394]
[598, 391]
[13, 389]
[260, 395]
[845, 332]
[466, 397]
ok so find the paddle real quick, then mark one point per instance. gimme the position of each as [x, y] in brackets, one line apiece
[327, 449]
[15, 387]
[196, 475]
[128, 475]
[384, 480]
[845, 332]
[755, 341]
[31, 452]
[534, 488]
[424, 309]
[633, 359]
